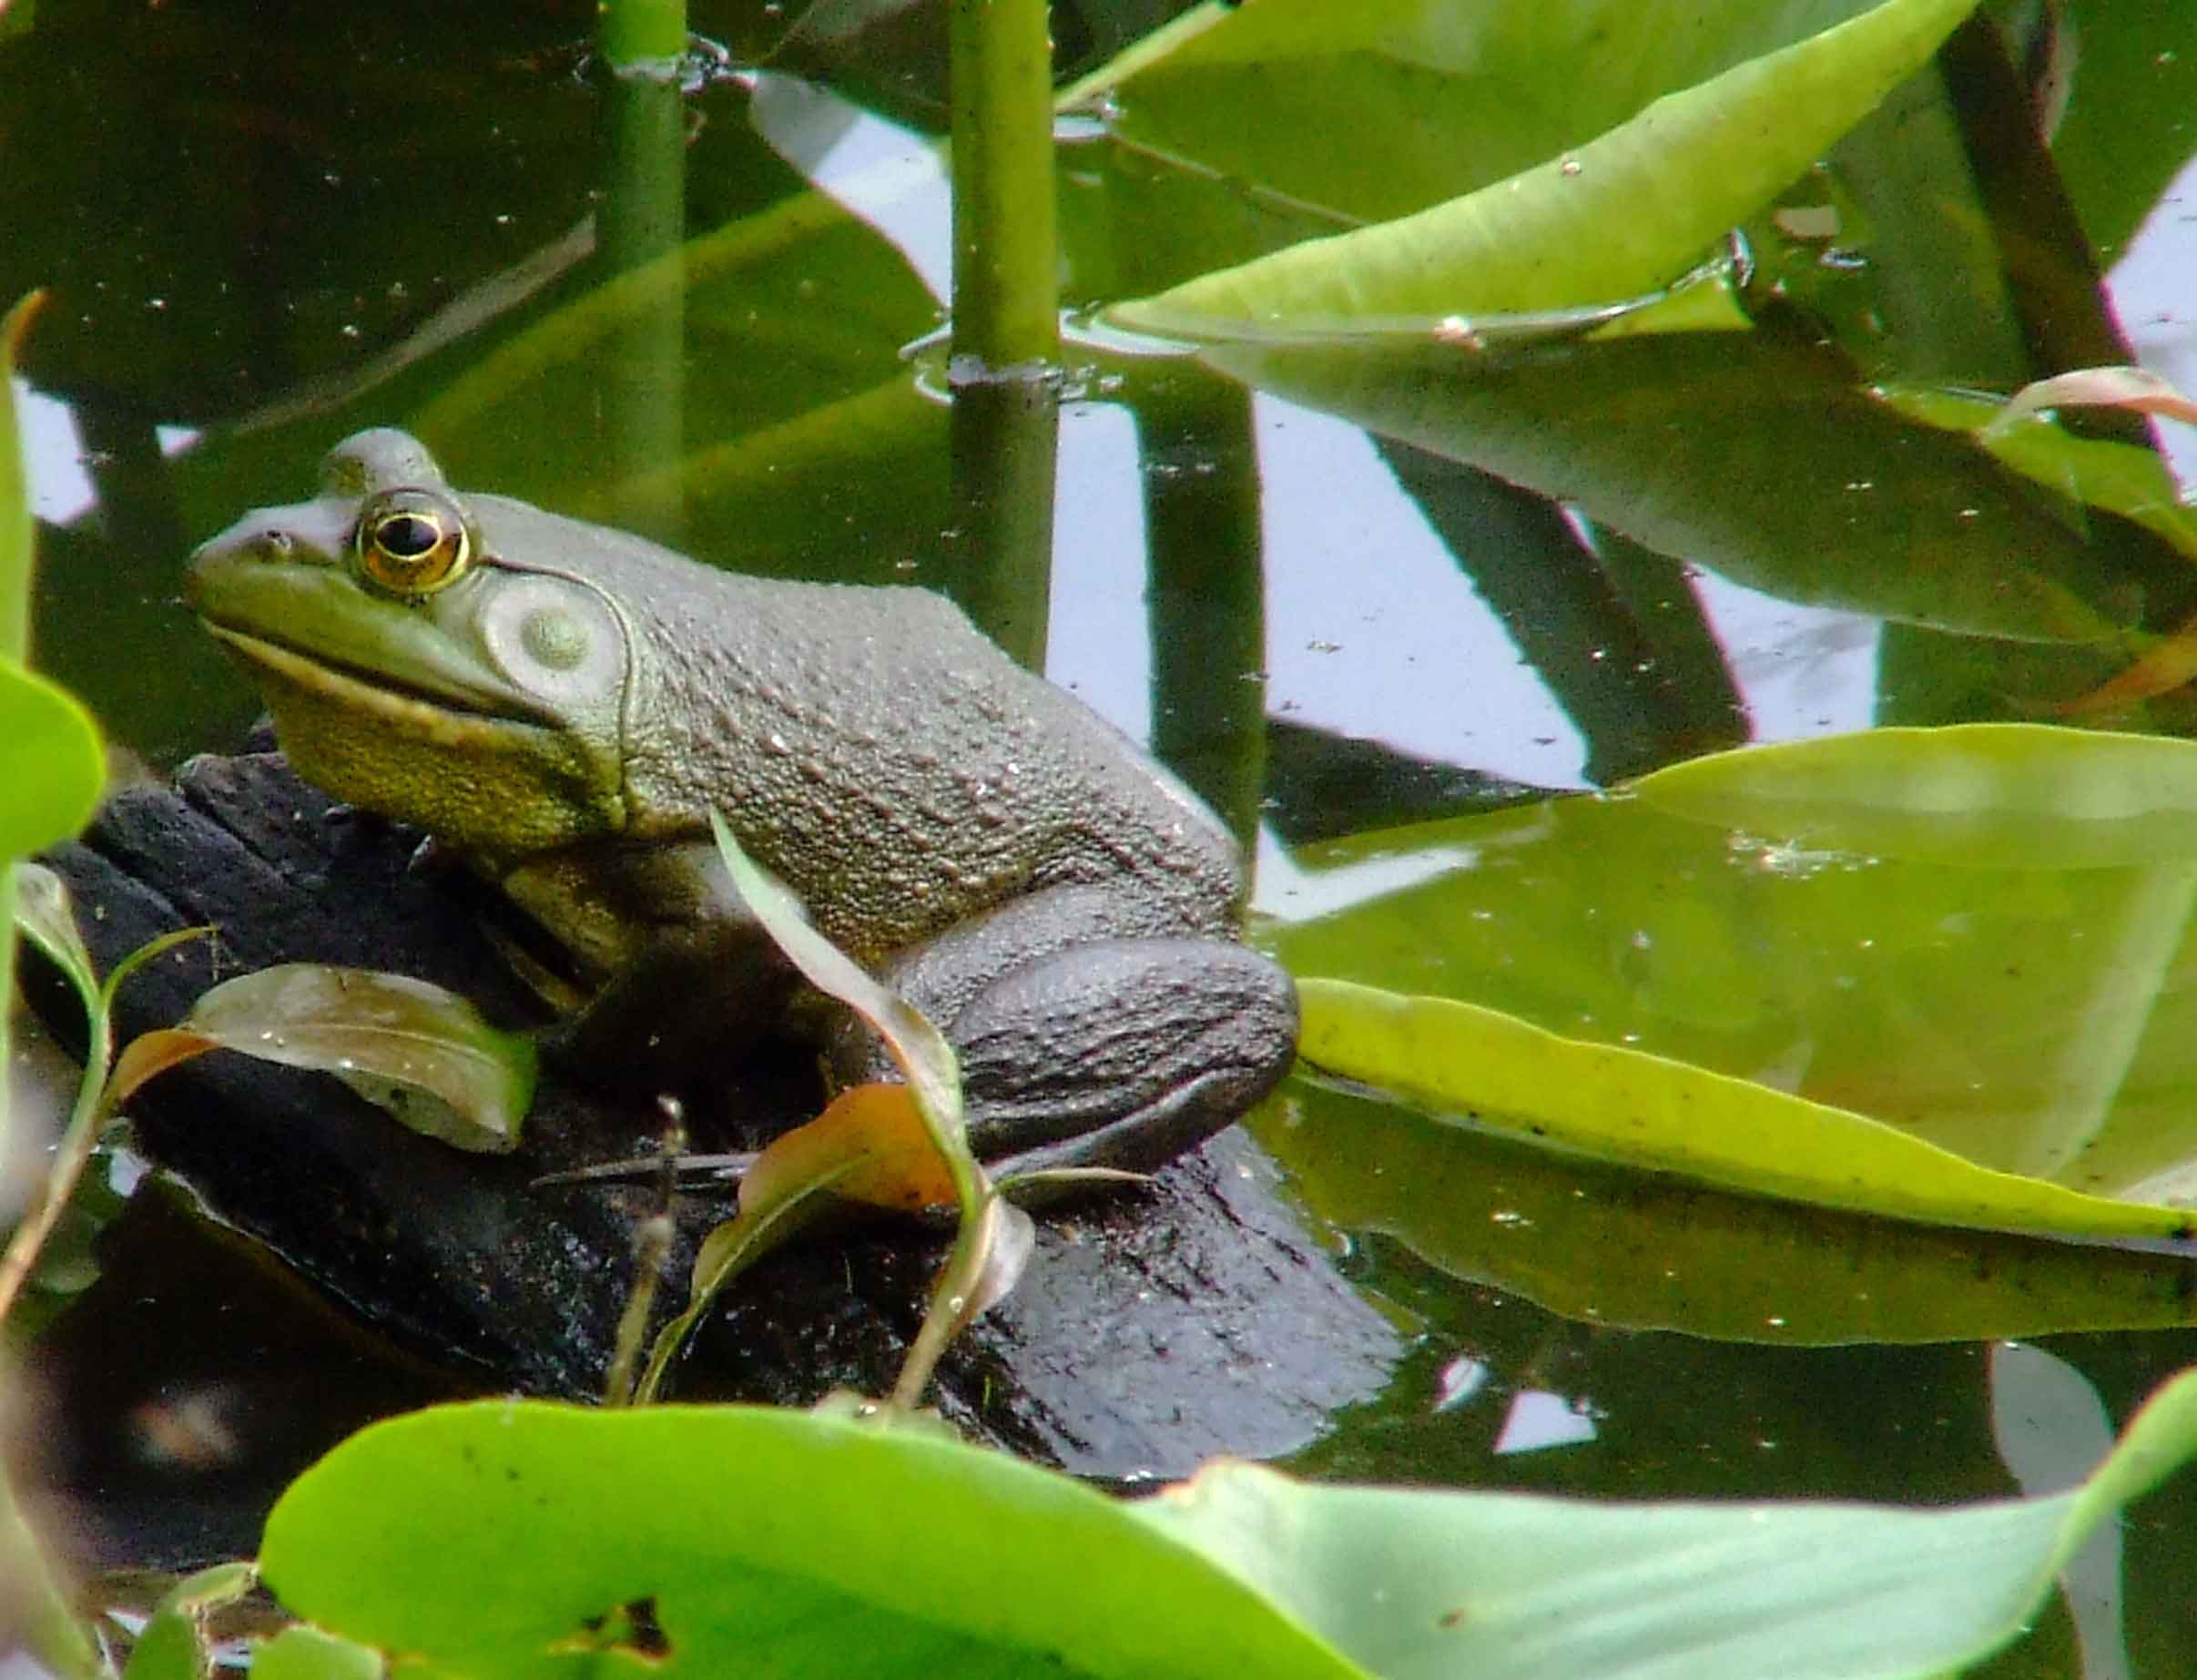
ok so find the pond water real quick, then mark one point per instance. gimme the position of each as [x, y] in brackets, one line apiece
[1375, 648]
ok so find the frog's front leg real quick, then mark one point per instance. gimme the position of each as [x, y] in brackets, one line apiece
[1091, 1036]
[686, 981]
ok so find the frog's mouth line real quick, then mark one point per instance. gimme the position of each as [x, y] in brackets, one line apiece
[411, 706]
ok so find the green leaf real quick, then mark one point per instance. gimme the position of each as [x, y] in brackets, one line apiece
[1754, 457]
[1501, 1585]
[32, 1606]
[795, 1544]
[933, 1070]
[1645, 1111]
[51, 762]
[2035, 1020]
[2001, 795]
[175, 1643]
[1621, 215]
[2129, 479]
[422, 1053]
[308, 1653]
[792, 1550]
[45, 915]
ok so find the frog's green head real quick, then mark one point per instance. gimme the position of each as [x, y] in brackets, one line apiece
[439, 660]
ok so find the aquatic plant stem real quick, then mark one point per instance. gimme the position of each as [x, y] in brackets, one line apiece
[1005, 370]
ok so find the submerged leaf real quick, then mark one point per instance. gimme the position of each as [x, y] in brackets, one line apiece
[2002, 795]
[422, 1051]
[1613, 1246]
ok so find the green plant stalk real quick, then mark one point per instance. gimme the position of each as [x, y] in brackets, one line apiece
[643, 221]
[963, 1271]
[1005, 367]
[1006, 252]
[14, 629]
[635, 32]
[96, 1100]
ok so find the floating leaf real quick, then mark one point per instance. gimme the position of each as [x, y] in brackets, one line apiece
[1617, 1104]
[443, 1071]
[2004, 795]
[1620, 216]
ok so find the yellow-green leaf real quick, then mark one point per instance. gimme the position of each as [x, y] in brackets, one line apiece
[1495, 1071]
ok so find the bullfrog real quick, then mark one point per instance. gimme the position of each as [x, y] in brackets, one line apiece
[562, 704]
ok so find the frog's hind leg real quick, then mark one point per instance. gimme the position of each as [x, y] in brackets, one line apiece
[1083, 1048]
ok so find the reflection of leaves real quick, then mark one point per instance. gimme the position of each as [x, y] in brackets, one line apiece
[1750, 457]
[1618, 217]
[1616, 1247]
[1242, 1570]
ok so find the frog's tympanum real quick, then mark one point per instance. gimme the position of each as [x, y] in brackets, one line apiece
[564, 705]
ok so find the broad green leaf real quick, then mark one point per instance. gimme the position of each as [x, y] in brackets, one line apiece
[1754, 458]
[415, 1049]
[1645, 1111]
[1618, 217]
[50, 762]
[1500, 1585]
[795, 1544]
[1998, 795]
[792, 1550]
[1612, 1246]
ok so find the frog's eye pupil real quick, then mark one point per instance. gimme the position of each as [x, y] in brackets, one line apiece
[407, 537]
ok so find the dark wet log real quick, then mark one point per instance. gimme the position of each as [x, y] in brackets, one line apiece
[1157, 1325]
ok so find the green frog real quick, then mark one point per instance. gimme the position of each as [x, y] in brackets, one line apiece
[562, 704]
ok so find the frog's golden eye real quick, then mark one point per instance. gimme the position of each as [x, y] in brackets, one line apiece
[412, 542]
